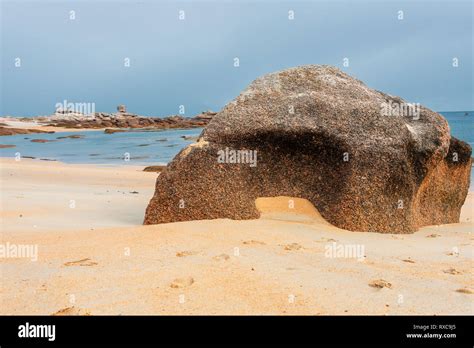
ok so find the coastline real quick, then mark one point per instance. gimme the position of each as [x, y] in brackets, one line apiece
[44, 128]
[118, 122]
[272, 265]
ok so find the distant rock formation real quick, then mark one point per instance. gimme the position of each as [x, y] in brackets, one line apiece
[126, 120]
[73, 136]
[112, 131]
[366, 160]
[67, 118]
[14, 131]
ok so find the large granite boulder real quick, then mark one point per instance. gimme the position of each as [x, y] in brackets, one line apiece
[366, 160]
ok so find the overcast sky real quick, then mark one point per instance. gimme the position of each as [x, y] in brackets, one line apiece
[190, 62]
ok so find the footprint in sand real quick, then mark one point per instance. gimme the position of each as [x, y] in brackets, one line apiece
[83, 262]
[253, 242]
[380, 283]
[72, 311]
[452, 271]
[185, 253]
[292, 246]
[182, 282]
[221, 257]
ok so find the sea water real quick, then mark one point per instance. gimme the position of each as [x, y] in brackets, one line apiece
[96, 147]
[461, 125]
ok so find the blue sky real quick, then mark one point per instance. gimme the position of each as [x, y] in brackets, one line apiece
[191, 62]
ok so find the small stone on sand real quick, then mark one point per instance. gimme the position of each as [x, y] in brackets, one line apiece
[465, 291]
[185, 253]
[380, 283]
[433, 235]
[182, 282]
[409, 260]
[293, 246]
[71, 311]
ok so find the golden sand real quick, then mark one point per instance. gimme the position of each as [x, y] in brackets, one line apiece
[95, 257]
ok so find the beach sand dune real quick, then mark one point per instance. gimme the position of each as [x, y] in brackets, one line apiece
[95, 257]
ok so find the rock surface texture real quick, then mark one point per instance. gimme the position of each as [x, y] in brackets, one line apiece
[365, 162]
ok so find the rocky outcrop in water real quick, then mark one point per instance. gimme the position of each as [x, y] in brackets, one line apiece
[125, 120]
[366, 160]
[14, 131]
[41, 141]
[112, 122]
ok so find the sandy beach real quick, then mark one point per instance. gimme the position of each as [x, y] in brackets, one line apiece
[94, 256]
